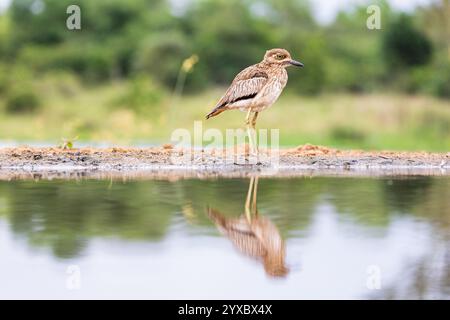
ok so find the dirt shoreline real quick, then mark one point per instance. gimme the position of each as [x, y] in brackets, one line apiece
[165, 161]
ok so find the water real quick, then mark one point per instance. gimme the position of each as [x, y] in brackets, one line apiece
[305, 238]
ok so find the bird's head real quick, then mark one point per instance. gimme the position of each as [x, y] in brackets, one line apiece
[280, 57]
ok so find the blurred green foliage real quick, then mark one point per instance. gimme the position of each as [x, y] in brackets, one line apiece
[121, 39]
[404, 45]
[22, 101]
[122, 70]
[16, 83]
[141, 95]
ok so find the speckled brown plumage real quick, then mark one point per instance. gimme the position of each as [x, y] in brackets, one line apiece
[257, 87]
[258, 238]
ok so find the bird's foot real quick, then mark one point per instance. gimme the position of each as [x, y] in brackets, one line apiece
[252, 158]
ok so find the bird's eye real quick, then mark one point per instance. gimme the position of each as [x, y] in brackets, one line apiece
[280, 56]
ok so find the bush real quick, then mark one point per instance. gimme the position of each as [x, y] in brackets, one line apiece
[347, 134]
[440, 81]
[3, 78]
[141, 95]
[91, 62]
[161, 56]
[17, 86]
[404, 45]
[431, 79]
[62, 83]
[22, 101]
[311, 78]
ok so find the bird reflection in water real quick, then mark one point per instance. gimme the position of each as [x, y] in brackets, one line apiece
[254, 235]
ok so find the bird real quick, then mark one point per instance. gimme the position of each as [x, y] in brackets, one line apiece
[254, 235]
[256, 88]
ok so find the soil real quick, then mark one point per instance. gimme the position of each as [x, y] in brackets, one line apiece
[166, 161]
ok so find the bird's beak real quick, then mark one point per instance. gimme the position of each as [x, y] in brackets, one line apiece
[296, 63]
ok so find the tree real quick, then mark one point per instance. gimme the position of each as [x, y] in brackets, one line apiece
[404, 45]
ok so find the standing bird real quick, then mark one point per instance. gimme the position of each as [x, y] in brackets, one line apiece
[256, 88]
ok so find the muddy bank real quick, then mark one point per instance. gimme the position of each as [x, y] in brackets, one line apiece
[306, 160]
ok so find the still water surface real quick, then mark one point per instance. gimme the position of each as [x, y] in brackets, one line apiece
[296, 238]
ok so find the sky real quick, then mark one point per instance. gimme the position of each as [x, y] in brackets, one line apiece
[3, 4]
[324, 10]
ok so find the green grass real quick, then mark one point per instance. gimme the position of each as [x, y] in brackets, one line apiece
[375, 121]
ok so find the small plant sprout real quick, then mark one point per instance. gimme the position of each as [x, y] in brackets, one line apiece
[67, 143]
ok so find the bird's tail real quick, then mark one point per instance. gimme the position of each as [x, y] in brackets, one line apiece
[215, 112]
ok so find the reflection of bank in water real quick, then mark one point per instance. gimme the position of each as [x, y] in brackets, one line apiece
[254, 235]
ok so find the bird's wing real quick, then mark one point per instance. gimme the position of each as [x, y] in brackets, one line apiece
[239, 232]
[245, 85]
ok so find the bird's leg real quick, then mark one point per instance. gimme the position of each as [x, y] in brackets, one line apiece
[255, 116]
[255, 191]
[249, 131]
[247, 201]
[247, 118]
